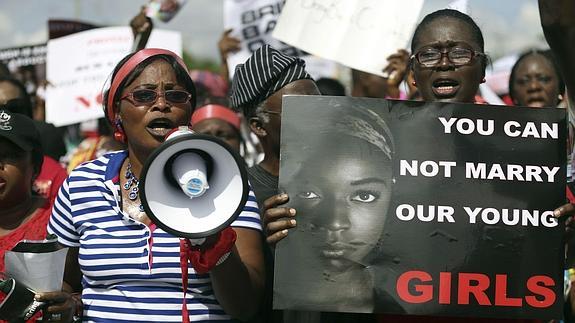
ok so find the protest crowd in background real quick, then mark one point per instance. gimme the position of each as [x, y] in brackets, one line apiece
[74, 180]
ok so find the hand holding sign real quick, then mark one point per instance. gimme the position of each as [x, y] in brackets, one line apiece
[277, 219]
[141, 29]
[228, 44]
[395, 71]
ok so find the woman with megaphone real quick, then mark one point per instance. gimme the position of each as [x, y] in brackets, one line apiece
[126, 266]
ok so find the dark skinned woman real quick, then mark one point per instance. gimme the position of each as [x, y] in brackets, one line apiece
[448, 65]
[128, 268]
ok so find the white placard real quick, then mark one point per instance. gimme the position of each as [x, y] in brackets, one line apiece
[43, 272]
[459, 5]
[77, 66]
[357, 33]
[253, 22]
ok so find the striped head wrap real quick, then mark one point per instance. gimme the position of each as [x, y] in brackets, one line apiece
[263, 74]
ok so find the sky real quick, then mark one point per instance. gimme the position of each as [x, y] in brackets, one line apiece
[509, 26]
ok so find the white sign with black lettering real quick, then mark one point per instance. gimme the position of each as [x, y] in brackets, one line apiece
[252, 22]
[360, 34]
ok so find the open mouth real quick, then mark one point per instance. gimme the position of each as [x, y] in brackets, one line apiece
[160, 127]
[536, 102]
[2, 184]
[445, 88]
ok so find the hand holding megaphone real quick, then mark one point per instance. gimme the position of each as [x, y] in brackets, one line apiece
[214, 251]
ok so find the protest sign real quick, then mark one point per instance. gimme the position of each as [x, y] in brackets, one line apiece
[63, 27]
[253, 22]
[421, 208]
[360, 34]
[78, 65]
[27, 64]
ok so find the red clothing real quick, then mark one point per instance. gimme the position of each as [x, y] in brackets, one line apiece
[51, 177]
[480, 100]
[33, 229]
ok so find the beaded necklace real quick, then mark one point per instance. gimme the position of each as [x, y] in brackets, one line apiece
[131, 185]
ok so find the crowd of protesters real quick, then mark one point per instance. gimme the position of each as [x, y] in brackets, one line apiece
[122, 268]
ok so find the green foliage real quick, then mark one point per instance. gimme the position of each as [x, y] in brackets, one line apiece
[195, 63]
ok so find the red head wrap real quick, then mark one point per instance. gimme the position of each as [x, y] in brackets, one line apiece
[214, 111]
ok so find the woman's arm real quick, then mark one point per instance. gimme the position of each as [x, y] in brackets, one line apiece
[239, 281]
[72, 272]
[226, 45]
[558, 22]
[141, 26]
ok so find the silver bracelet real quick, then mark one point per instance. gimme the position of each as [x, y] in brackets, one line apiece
[223, 258]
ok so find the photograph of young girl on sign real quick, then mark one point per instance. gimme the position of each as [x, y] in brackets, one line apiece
[339, 181]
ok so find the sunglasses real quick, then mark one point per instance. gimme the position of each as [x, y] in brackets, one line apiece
[143, 96]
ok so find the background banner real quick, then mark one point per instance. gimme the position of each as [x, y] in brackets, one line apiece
[78, 65]
[27, 64]
[421, 208]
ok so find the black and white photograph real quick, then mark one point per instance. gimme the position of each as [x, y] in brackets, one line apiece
[342, 185]
[397, 200]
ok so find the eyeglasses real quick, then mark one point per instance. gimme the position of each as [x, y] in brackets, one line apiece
[458, 56]
[143, 96]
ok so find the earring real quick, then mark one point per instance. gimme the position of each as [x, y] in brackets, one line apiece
[413, 83]
[560, 97]
[119, 135]
[483, 80]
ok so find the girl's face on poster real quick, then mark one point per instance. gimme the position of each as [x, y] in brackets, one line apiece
[342, 199]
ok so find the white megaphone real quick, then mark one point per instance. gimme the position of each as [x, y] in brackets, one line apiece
[193, 185]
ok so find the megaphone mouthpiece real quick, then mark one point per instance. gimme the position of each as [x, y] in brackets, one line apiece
[189, 170]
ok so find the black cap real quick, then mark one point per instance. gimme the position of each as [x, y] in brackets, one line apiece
[20, 130]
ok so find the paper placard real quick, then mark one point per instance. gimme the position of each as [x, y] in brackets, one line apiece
[78, 66]
[43, 272]
[360, 34]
